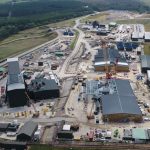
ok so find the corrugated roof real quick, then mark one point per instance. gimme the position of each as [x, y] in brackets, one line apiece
[28, 128]
[145, 61]
[123, 101]
[112, 55]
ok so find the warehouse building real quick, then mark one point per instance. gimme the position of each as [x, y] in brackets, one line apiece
[114, 58]
[138, 32]
[42, 88]
[145, 63]
[26, 133]
[147, 37]
[15, 88]
[121, 106]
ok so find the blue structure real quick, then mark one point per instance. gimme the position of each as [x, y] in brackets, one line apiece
[128, 46]
[120, 46]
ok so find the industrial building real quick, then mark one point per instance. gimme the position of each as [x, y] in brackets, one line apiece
[145, 63]
[64, 131]
[114, 58]
[147, 37]
[121, 105]
[42, 88]
[140, 135]
[26, 133]
[15, 88]
[138, 32]
[148, 78]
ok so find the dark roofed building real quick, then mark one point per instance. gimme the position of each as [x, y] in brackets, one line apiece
[27, 131]
[42, 88]
[122, 105]
[15, 88]
[4, 127]
[145, 63]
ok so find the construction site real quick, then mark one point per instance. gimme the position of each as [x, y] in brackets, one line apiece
[97, 92]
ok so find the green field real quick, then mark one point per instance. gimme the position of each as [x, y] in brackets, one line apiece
[75, 40]
[147, 48]
[20, 46]
[45, 147]
[146, 22]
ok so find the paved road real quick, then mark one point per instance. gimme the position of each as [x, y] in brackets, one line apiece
[80, 40]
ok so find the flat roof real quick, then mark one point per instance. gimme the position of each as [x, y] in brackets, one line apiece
[139, 133]
[12, 59]
[122, 101]
[145, 61]
[147, 35]
[66, 127]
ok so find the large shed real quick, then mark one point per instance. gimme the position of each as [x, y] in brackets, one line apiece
[145, 63]
[114, 58]
[121, 106]
[15, 87]
[27, 131]
[42, 88]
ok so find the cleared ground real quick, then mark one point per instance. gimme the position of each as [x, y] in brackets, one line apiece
[20, 46]
[146, 22]
[147, 48]
[99, 17]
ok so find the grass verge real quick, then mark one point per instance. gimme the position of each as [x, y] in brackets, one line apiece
[72, 46]
[147, 48]
[46, 147]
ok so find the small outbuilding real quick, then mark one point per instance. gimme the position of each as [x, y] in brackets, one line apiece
[140, 135]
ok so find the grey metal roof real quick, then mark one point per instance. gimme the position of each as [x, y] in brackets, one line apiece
[15, 86]
[28, 128]
[42, 84]
[112, 54]
[13, 66]
[145, 61]
[123, 101]
[14, 78]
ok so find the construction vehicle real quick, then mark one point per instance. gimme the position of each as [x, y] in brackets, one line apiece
[36, 113]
